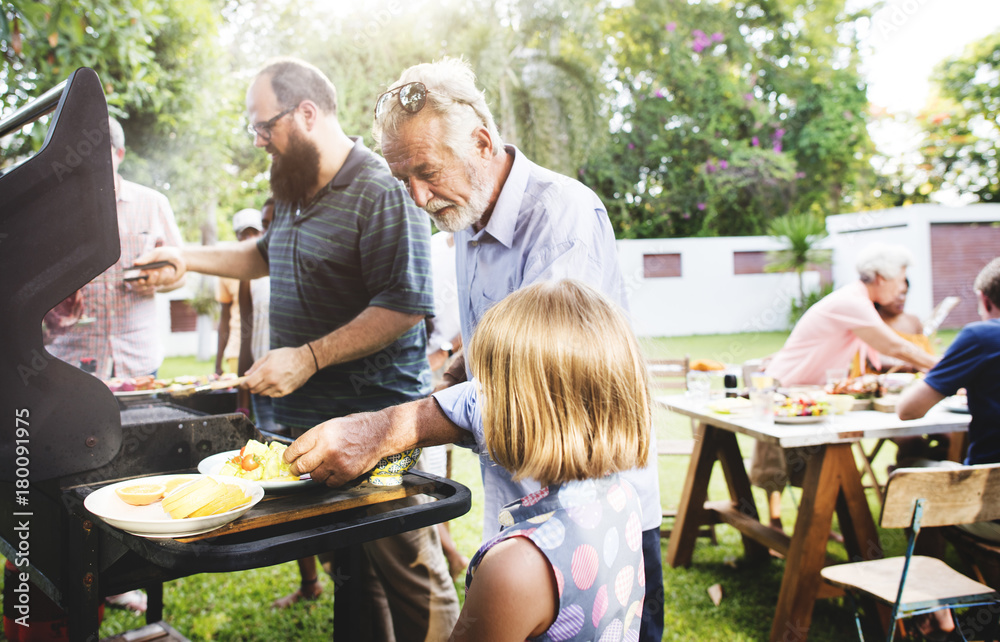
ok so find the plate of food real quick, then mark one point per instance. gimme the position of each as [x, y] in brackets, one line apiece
[801, 410]
[956, 403]
[164, 506]
[862, 387]
[257, 462]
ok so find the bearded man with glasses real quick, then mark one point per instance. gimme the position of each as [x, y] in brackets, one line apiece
[515, 224]
[348, 254]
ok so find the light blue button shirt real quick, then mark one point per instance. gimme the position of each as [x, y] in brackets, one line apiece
[544, 227]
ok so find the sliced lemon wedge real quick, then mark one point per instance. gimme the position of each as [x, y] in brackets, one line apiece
[141, 494]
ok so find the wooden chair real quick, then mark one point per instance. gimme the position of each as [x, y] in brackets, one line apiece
[671, 375]
[914, 584]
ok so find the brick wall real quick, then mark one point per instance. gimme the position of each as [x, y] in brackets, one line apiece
[183, 318]
[958, 252]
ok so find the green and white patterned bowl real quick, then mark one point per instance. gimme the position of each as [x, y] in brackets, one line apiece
[389, 471]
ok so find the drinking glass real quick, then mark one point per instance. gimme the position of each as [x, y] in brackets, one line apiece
[698, 384]
[762, 398]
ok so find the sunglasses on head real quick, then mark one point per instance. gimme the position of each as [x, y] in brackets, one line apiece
[412, 97]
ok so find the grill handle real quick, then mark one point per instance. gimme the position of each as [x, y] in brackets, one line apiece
[34, 110]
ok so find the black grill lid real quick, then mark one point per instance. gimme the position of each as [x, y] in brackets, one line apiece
[58, 230]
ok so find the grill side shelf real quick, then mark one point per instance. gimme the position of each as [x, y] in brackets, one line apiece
[287, 527]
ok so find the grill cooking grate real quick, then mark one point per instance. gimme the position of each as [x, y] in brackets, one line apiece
[153, 414]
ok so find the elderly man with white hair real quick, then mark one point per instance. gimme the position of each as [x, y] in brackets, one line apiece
[515, 224]
[828, 336]
[832, 331]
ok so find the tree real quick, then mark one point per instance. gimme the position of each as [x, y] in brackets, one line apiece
[963, 124]
[165, 78]
[800, 233]
[729, 114]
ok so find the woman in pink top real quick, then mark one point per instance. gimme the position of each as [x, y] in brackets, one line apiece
[828, 336]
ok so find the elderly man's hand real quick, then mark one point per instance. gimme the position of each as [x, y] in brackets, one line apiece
[337, 451]
[281, 372]
[162, 276]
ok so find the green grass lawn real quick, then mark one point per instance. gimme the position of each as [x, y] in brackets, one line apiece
[236, 606]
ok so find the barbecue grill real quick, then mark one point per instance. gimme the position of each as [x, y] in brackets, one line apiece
[67, 435]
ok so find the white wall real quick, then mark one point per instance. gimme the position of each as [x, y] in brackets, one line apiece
[707, 298]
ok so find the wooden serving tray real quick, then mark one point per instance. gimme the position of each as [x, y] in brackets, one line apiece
[312, 502]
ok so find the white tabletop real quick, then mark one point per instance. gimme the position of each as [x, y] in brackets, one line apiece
[836, 429]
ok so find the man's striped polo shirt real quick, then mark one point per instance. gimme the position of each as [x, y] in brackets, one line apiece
[360, 242]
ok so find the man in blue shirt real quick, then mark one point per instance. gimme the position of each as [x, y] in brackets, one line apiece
[971, 362]
[515, 224]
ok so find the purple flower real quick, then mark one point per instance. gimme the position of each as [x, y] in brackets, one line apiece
[723, 164]
[755, 142]
[631, 145]
[671, 27]
[701, 207]
[686, 215]
[748, 97]
[701, 41]
[710, 167]
[778, 133]
[800, 174]
[777, 147]
[660, 93]
[717, 36]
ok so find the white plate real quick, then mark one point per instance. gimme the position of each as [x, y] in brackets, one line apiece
[807, 419]
[211, 466]
[152, 520]
[956, 403]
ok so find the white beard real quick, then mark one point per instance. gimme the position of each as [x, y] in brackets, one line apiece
[451, 217]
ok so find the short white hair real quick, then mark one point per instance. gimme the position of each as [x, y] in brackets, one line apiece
[116, 133]
[451, 92]
[881, 259]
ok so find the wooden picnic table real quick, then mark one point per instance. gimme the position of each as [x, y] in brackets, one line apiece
[832, 483]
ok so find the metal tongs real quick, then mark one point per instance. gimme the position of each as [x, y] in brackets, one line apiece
[147, 266]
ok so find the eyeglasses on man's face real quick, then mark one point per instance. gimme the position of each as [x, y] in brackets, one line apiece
[264, 127]
[412, 97]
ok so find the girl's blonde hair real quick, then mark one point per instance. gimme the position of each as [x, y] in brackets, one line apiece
[563, 384]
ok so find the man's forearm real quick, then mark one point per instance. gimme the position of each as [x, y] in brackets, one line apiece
[917, 400]
[339, 450]
[913, 354]
[236, 260]
[418, 424]
[372, 330]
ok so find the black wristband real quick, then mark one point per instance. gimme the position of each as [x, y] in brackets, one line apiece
[313, 353]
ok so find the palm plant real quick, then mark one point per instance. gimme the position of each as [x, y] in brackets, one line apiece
[800, 233]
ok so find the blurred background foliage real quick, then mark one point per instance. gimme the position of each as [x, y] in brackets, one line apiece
[689, 119]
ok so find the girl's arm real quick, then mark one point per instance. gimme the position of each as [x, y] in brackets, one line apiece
[513, 595]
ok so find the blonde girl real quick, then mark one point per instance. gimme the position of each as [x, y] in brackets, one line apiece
[566, 404]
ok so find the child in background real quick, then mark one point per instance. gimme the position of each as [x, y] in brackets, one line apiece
[565, 403]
